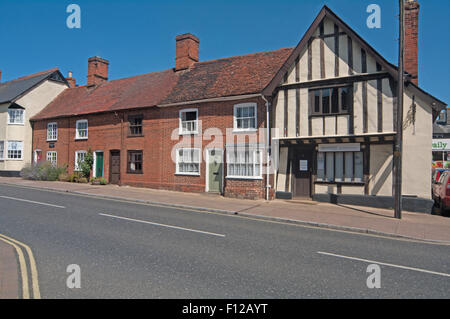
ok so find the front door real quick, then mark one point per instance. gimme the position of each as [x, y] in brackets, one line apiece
[215, 165]
[114, 177]
[302, 166]
[98, 164]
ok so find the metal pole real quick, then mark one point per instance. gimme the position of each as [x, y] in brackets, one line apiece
[399, 137]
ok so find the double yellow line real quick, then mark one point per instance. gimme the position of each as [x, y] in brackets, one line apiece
[30, 289]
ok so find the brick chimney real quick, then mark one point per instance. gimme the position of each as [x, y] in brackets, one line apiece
[411, 39]
[71, 80]
[97, 70]
[187, 51]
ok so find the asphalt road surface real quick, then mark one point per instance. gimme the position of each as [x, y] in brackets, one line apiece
[128, 250]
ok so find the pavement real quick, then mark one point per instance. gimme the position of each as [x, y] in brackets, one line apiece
[127, 249]
[418, 226]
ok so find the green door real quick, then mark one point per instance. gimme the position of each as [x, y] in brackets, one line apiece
[99, 164]
[215, 171]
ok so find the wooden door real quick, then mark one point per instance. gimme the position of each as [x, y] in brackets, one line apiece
[302, 172]
[114, 167]
[215, 178]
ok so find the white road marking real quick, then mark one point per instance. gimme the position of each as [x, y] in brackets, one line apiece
[30, 201]
[385, 264]
[163, 225]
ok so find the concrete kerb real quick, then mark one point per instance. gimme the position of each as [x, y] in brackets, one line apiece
[365, 231]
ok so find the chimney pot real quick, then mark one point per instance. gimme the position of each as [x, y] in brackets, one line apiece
[187, 51]
[71, 80]
[97, 70]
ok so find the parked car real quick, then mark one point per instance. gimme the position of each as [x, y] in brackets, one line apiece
[441, 192]
[436, 174]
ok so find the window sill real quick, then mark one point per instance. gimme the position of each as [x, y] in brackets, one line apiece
[340, 183]
[13, 159]
[81, 138]
[257, 178]
[132, 136]
[188, 174]
[51, 141]
[187, 133]
[135, 173]
[17, 124]
[238, 131]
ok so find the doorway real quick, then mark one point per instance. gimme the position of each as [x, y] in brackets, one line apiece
[302, 172]
[98, 160]
[114, 168]
[214, 171]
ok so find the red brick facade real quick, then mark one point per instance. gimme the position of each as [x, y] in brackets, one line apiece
[109, 131]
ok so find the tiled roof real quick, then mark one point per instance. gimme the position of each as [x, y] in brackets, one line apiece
[211, 79]
[10, 90]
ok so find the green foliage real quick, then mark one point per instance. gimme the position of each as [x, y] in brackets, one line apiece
[73, 178]
[43, 171]
[99, 181]
[82, 180]
[86, 165]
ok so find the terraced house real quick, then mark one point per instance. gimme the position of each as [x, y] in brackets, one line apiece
[327, 108]
[21, 99]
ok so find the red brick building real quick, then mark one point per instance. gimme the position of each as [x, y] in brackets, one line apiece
[197, 127]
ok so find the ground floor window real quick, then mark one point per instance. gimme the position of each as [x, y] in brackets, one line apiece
[15, 150]
[52, 158]
[188, 161]
[79, 158]
[244, 163]
[134, 164]
[2, 150]
[340, 167]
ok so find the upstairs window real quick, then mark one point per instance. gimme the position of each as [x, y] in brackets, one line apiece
[16, 116]
[332, 101]
[15, 150]
[81, 130]
[189, 121]
[245, 117]
[135, 125]
[52, 131]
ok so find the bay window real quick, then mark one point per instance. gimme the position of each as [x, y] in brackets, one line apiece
[340, 167]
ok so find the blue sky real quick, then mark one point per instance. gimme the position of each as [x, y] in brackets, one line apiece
[139, 36]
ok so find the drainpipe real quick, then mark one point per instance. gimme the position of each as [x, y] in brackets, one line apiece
[268, 186]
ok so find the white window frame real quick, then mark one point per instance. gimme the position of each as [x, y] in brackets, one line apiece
[8, 149]
[76, 168]
[181, 130]
[77, 135]
[2, 150]
[15, 110]
[235, 119]
[49, 137]
[257, 176]
[178, 172]
[55, 157]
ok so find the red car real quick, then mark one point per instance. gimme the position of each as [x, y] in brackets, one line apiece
[441, 191]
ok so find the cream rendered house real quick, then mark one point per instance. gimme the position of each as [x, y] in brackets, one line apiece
[20, 100]
[334, 113]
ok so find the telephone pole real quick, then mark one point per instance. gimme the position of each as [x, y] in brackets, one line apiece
[399, 137]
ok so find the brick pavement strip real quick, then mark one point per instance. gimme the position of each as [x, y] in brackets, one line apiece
[9, 275]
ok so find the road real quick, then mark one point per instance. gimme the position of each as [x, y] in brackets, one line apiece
[128, 250]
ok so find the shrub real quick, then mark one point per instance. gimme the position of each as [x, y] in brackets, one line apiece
[86, 165]
[99, 181]
[43, 171]
[64, 177]
[73, 178]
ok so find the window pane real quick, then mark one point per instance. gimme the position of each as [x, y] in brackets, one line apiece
[317, 101]
[326, 101]
[345, 98]
[330, 166]
[339, 167]
[335, 100]
[320, 166]
[349, 166]
[359, 171]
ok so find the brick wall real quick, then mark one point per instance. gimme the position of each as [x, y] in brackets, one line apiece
[109, 131]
